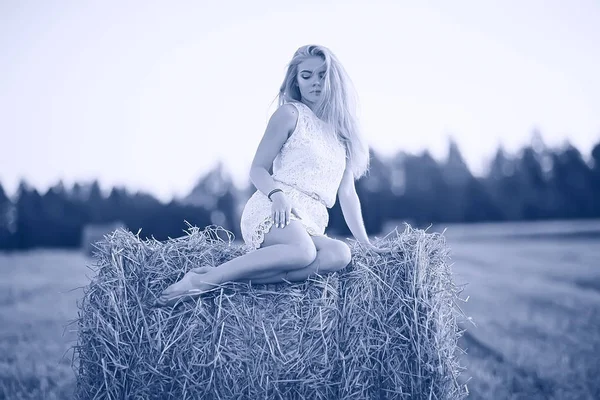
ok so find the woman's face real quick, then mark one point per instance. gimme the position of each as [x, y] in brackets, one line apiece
[311, 73]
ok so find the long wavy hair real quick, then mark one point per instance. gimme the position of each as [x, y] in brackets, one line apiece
[338, 104]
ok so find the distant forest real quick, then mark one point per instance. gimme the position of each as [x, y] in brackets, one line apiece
[537, 183]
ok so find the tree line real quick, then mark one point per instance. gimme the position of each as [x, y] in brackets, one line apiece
[536, 183]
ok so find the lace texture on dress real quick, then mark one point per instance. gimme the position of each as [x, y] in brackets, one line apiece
[312, 222]
[313, 159]
[308, 169]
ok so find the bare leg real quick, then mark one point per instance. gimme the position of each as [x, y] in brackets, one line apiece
[296, 275]
[286, 249]
[332, 255]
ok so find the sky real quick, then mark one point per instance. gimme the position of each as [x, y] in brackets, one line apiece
[152, 94]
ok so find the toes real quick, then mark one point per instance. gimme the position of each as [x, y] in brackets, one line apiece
[167, 292]
[184, 284]
[166, 299]
[174, 288]
[160, 302]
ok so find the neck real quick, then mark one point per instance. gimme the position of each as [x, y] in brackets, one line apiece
[309, 105]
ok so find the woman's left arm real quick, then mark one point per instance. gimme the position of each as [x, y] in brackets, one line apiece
[351, 209]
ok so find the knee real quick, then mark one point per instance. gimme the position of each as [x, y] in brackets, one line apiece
[335, 257]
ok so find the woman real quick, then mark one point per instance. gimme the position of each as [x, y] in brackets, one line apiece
[313, 145]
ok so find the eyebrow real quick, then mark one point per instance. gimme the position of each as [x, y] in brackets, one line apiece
[308, 70]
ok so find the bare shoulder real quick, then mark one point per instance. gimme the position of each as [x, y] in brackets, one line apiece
[284, 119]
[281, 125]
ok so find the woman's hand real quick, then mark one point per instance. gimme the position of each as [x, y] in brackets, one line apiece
[281, 209]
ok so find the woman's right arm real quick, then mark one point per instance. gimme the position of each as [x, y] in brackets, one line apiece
[280, 126]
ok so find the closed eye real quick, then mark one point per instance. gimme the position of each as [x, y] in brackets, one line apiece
[304, 76]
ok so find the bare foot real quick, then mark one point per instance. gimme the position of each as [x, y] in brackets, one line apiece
[196, 281]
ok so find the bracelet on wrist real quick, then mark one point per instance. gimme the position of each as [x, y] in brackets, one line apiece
[273, 191]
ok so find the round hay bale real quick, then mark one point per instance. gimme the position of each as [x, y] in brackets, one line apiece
[385, 327]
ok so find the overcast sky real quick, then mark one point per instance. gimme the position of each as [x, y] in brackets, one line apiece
[150, 94]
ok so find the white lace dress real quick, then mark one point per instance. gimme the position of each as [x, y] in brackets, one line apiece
[309, 169]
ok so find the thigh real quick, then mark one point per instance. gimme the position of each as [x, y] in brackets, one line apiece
[294, 234]
[328, 244]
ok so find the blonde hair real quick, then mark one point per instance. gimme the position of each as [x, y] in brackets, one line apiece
[337, 106]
